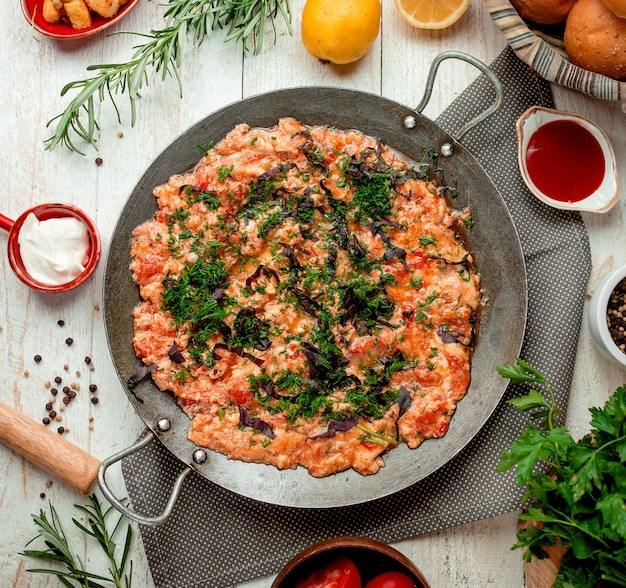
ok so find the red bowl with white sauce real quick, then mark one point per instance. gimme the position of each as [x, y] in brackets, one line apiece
[567, 161]
[71, 228]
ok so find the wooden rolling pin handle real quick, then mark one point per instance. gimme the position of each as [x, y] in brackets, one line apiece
[48, 450]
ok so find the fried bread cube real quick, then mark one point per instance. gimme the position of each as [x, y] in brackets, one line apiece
[52, 10]
[105, 8]
[78, 13]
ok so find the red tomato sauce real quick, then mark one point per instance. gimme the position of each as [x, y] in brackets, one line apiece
[565, 161]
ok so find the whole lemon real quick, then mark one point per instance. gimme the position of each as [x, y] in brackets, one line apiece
[340, 31]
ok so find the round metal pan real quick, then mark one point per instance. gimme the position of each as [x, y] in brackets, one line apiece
[493, 240]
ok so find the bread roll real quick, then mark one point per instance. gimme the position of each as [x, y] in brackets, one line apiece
[617, 7]
[544, 11]
[595, 39]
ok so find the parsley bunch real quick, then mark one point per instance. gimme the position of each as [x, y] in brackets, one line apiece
[581, 499]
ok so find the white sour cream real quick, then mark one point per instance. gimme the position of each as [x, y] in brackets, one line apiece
[53, 250]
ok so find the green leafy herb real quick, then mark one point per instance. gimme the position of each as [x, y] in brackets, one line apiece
[427, 240]
[58, 550]
[191, 298]
[223, 173]
[273, 220]
[366, 300]
[209, 199]
[162, 52]
[579, 499]
[372, 196]
[249, 331]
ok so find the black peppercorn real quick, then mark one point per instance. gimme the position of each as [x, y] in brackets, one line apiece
[69, 341]
[616, 321]
[94, 400]
[92, 387]
[37, 358]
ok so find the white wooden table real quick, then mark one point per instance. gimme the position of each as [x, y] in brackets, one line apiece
[34, 69]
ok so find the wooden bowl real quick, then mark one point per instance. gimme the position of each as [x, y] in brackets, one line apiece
[371, 558]
[543, 49]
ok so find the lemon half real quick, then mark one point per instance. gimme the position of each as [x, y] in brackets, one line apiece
[431, 14]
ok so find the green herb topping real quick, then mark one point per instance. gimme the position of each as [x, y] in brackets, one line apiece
[576, 490]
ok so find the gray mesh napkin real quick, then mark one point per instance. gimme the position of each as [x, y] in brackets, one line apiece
[216, 538]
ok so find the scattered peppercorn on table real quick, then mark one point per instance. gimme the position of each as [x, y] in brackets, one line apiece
[57, 368]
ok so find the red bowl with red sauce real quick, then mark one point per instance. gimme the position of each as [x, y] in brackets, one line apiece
[350, 562]
[63, 30]
[567, 161]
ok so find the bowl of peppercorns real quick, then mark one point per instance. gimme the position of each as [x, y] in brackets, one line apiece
[607, 316]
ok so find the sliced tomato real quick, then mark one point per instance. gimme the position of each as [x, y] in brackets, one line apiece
[339, 573]
[391, 580]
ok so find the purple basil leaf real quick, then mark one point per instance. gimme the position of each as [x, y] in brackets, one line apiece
[268, 271]
[360, 328]
[140, 374]
[289, 253]
[263, 344]
[254, 276]
[175, 355]
[308, 304]
[448, 336]
[237, 351]
[403, 400]
[256, 423]
[337, 426]
[396, 225]
[385, 323]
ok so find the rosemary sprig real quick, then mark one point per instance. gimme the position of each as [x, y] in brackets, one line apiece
[242, 19]
[59, 552]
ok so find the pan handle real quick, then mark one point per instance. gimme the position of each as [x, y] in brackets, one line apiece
[430, 82]
[131, 514]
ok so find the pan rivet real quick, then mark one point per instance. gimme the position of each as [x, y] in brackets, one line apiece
[446, 149]
[410, 122]
[163, 425]
[199, 456]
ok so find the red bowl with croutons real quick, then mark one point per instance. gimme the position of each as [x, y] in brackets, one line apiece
[52, 17]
